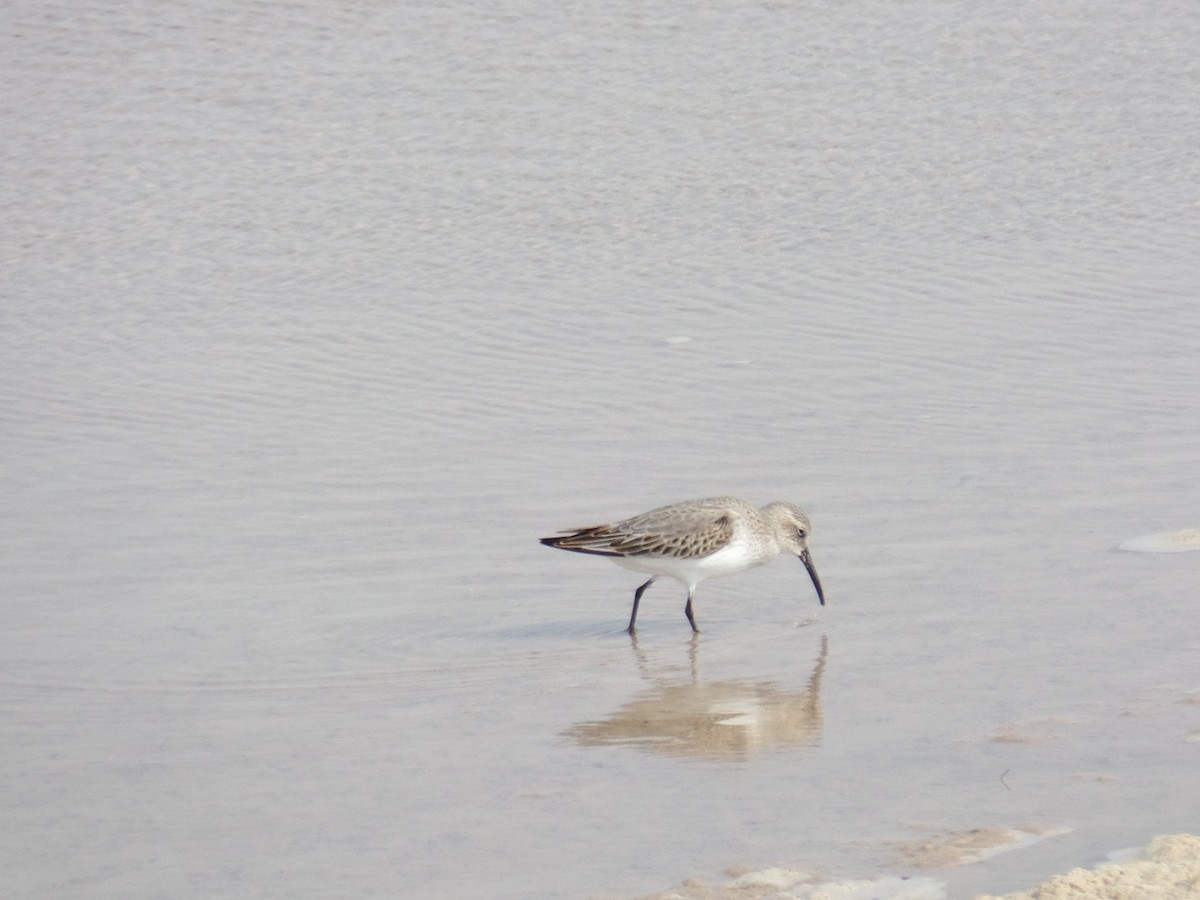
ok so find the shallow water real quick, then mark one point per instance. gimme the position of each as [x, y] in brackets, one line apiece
[314, 321]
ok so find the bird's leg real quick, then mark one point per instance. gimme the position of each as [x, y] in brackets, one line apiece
[637, 598]
[687, 611]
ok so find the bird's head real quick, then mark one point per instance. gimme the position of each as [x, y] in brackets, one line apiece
[793, 529]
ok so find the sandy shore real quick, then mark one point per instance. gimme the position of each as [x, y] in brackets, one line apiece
[1167, 868]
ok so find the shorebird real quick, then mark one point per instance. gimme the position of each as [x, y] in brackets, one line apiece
[696, 540]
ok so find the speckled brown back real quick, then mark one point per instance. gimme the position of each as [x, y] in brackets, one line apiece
[690, 537]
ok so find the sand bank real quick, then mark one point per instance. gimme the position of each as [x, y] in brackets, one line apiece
[1169, 867]
[1166, 869]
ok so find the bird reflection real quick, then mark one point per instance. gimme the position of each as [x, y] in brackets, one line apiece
[724, 721]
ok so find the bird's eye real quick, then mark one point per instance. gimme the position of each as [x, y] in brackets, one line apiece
[800, 533]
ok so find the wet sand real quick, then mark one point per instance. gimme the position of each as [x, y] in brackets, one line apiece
[1168, 868]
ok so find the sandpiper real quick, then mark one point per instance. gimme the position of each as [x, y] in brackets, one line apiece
[696, 540]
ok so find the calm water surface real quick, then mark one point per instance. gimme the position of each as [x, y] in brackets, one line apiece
[315, 319]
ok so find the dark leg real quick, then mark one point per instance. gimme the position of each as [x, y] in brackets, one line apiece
[688, 612]
[637, 598]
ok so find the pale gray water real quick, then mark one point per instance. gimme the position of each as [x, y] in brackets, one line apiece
[315, 318]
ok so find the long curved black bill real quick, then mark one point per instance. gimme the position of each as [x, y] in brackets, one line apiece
[812, 573]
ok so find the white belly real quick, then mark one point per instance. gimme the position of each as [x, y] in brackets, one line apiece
[727, 561]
